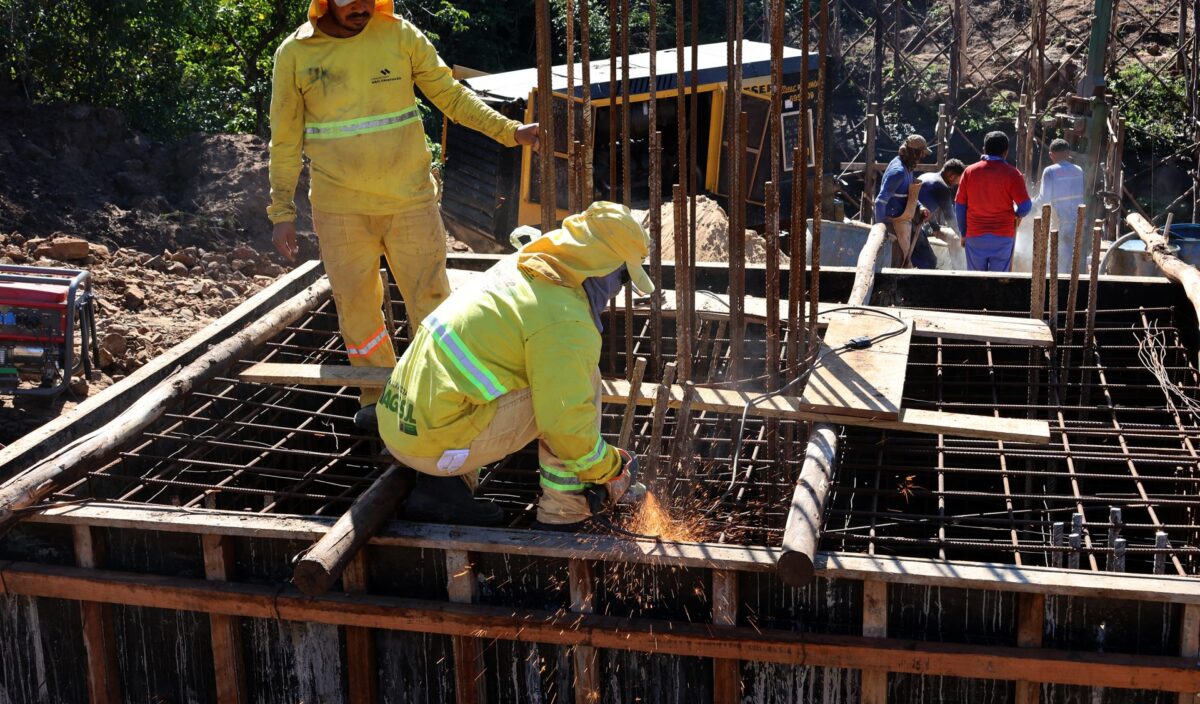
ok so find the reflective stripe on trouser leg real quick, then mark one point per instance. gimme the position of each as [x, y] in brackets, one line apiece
[350, 248]
[415, 243]
[563, 506]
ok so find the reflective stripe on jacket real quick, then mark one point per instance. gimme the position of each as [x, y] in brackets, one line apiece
[349, 105]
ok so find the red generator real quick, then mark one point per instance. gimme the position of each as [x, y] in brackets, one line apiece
[47, 329]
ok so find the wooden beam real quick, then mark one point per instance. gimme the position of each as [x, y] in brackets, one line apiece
[463, 588]
[99, 641]
[988, 576]
[1031, 622]
[362, 667]
[585, 659]
[474, 621]
[228, 667]
[874, 625]
[707, 399]
[727, 674]
[1189, 645]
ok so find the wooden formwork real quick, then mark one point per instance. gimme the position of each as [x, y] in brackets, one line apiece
[117, 602]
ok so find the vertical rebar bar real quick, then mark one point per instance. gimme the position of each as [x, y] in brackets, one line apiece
[683, 355]
[654, 184]
[545, 116]
[814, 292]
[613, 154]
[574, 204]
[587, 186]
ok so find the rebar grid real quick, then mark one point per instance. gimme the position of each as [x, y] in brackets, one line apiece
[1118, 442]
[1114, 490]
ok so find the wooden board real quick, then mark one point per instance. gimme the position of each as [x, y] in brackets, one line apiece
[926, 323]
[932, 572]
[860, 382]
[707, 399]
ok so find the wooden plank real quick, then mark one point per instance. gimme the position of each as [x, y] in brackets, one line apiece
[363, 672]
[228, 667]
[875, 606]
[474, 621]
[99, 642]
[586, 659]
[926, 323]
[833, 565]
[707, 399]
[463, 588]
[860, 382]
[1031, 622]
[727, 674]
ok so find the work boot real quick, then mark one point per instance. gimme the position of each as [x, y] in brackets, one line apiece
[366, 419]
[449, 500]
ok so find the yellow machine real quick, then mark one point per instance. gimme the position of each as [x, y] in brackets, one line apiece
[491, 189]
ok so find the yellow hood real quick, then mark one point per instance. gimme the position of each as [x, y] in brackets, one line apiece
[590, 244]
[317, 8]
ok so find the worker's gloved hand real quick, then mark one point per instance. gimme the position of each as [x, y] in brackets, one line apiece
[605, 495]
[618, 485]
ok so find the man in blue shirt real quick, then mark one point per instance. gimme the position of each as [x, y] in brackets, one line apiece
[892, 205]
[1062, 188]
[937, 209]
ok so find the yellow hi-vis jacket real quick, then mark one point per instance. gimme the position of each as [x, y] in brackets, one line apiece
[527, 323]
[349, 105]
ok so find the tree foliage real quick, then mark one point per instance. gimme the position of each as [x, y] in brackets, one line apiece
[205, 65]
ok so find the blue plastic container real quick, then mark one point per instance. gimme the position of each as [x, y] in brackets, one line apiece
[1186, 236]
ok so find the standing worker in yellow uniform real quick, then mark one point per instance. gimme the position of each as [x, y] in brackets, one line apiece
[514, 358]
[343, 94]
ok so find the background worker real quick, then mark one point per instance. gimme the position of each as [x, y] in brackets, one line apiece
[343, 94]
[990, 203]
[896, 203]
[1062, 188]
[511, 359]
[936, 198]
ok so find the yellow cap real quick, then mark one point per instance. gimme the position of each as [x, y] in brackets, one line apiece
[613, 225]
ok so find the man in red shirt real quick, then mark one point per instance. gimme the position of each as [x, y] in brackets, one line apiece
[991, 201]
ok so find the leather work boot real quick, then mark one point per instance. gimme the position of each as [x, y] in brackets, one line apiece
[366, 419]
[448, 500]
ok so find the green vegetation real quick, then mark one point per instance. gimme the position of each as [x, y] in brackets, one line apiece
[1145, 100]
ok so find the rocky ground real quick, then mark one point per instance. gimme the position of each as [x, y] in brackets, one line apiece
[174, 234]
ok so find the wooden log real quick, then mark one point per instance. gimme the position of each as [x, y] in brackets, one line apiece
[801, 533]
[1172, 266]
[90, 451]
[474, 621]
[322, 564]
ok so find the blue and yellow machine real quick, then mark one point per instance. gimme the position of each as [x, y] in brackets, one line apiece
[490, 189]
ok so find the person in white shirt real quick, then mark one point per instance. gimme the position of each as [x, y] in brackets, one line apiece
[1062, 189]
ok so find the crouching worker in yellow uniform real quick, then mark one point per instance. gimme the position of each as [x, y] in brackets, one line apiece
[513, 358]
[343, 94]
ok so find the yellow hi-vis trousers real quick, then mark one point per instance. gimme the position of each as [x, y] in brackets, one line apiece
[512, 428]
[415, 246]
